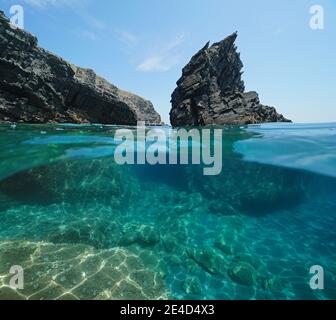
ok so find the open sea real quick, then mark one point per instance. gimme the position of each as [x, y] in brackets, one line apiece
[83, 227]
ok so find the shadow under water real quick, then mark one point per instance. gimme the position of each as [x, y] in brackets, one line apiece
[84, 227]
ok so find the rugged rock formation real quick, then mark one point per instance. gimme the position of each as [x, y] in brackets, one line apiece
[250, 188]
[211, 91]
[37, 86]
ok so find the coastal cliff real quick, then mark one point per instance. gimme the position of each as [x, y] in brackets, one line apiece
[37, 86]
[212, 92]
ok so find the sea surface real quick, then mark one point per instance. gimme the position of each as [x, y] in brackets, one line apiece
[83, 227]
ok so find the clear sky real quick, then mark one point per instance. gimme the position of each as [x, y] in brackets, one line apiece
[142, 45]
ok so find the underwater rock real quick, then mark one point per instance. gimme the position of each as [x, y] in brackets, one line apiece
[74, 181]
[37, 86]
[254, 261]
[250, 188]
[223, 245]
[139, 234]
[192, 285]
[174, 233]
[210, 260]
[243, 273]
[93, 224]
[175, 260]
[190, 202]
[6, 202]
[222, 208]
[150, 258]
[211, 91]
[53, 272]
[71, 234]
[270, 284]
[98, 233]
[170, 243]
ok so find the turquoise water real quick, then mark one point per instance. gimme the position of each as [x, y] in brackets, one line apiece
[83, 227]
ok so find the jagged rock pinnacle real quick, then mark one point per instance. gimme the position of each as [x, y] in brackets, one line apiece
[211, 90]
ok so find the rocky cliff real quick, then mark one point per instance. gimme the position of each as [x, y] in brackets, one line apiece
[211, 91]
[37, 86]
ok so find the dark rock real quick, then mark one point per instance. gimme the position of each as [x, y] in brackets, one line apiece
[210, 260]
[37, 86]
[254, 261]
[222, 208]
[70, 181]
[270, 284]
[223, 245]
[139, 234]
[211, 91]
[93, 232]
[192, 285]
[243, 273]
[250, 188]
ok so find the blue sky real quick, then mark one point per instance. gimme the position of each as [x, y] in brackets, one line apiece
[142, 45]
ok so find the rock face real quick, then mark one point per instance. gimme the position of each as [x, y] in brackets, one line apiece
[211, 91]
[37, 86]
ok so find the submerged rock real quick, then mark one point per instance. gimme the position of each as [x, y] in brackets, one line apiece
[222, 208]
[223, 245]
[254, 261]
[99, 233]
[250, 188]
[192, 285]
[210, 260]
[77, 272]
[73, 181]
[243, 273]
[211, 91]
[37, 86]
[139, 234]
[270, 284]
